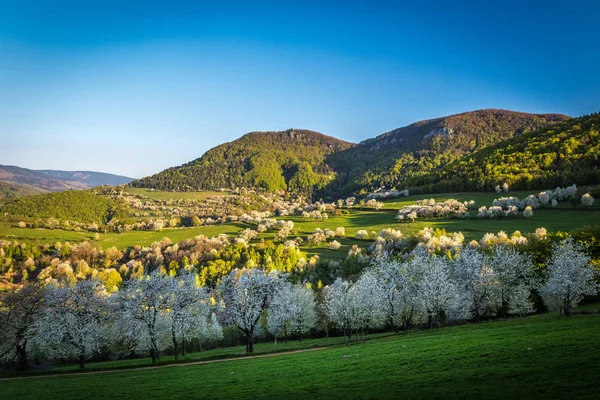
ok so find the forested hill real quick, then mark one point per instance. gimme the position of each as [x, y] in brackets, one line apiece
[70, 205]
[398, 157]
[290, 160]
[306, 161]
[11, 191]
[559, 155]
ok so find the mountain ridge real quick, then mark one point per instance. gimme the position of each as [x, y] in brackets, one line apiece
[314, 164]
[57, 180]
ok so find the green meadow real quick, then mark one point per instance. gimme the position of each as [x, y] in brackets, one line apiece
[544, 356]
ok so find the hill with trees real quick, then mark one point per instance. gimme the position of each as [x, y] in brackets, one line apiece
[559, 155]
[71, 205]
[8, 191]
[307, 162]
[395, 158]
[291, 160]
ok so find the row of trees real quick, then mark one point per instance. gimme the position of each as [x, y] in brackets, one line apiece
[158, 311]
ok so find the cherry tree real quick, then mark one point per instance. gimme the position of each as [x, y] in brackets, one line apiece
[436, 291]
[368, 300]
[570, 277]
[516, 278]
[74, 321]
[306, 318]
[292, 310]
[246, 294]
[189, 309]
[19, 310]
[282, 310]
[477, 283]
[338, 306]
[146, 301]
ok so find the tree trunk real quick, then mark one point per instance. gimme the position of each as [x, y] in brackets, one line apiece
[22, 357]
[174, 337]
[81, 361]
[153, 350]
[182, 344]
[429, 321]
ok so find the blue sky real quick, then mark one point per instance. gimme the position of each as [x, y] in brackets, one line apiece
[136, 87]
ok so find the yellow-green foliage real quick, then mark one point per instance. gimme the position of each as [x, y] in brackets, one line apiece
[72, 205]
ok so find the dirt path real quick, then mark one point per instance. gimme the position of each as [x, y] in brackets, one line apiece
[109, 371]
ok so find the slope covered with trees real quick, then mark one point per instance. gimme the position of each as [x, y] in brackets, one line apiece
[563, 154]
[307, 162]
[398, 157]
[71, 205]
[289, 160]
[8, 191]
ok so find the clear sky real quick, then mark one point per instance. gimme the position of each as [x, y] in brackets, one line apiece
[135, 87]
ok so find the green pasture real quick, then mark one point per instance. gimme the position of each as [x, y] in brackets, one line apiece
[545, 356]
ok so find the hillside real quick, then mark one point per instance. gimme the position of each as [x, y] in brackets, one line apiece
[560, 155]
[71, 205]
[396, 157]
[293, 159]
[54, 181]
[305, 161]
[11, 191]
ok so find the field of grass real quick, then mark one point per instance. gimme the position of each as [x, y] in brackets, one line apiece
[559, 219]
[544, 356]
[563, 218]
[160, 195]
[480, 198]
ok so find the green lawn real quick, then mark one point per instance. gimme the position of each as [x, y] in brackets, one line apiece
[545, 356]
[160, 195]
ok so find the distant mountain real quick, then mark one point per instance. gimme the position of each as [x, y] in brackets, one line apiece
[91, 179]
[54, 181]
[292, 160]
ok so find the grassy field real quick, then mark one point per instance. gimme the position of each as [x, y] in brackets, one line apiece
[563, 219]
[480, 198]
[160, 195]
[545, 356]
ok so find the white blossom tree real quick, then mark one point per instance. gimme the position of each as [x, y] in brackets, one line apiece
[368, 300]
[282, 310]
[246, 294]
[516, 275]
[293, 310]
[189, 310]
[570, 277]
[74, 321]
[437, 292]
[477, 283]
[19, 310]
[146, 301]
[338, 306]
